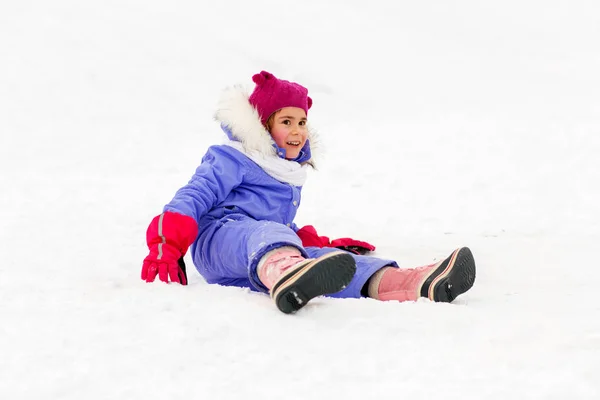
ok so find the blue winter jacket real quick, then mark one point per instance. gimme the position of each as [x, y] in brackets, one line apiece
[228, 182]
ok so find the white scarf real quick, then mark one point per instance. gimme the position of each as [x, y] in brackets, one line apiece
[283, 170]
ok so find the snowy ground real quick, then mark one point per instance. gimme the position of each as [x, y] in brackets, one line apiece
[442, 125]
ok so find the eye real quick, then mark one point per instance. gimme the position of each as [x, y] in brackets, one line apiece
[286, 122]
[302, 123]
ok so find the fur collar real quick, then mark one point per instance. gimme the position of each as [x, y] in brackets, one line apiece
[235, 112]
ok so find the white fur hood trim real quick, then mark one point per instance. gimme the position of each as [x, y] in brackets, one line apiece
[236, 113]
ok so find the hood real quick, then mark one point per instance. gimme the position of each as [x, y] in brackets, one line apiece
[241, 122]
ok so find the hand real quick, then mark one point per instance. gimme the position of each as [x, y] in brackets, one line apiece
[354, 246]
[169, 267]
[169, 235]
[310, 238]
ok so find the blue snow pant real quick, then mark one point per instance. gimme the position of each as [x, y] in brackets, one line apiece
[227, 252]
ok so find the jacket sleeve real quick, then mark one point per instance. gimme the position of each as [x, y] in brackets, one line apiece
[219, 173]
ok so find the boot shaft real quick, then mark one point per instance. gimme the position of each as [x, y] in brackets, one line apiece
[276, 263]
[401, 284]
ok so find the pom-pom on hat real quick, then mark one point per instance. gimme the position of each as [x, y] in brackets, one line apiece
[272, 94]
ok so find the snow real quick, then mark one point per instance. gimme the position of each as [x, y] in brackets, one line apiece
[442, 125]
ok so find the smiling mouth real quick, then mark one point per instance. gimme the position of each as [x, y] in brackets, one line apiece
[293, 143]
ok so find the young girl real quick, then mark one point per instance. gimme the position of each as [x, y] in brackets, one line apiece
[237, 214]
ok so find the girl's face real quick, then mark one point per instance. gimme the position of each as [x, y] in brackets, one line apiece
[288, 129]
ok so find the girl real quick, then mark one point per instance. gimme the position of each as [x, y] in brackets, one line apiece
[238, 209]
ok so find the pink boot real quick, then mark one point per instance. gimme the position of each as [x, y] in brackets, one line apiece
[273, 265]
[294, 280]
[442, 281]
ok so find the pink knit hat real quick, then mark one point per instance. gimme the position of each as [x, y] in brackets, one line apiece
[272, 94]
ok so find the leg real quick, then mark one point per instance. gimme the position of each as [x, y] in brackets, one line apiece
[366, 266]
[228, 250]
[443, 281]
[267, 256]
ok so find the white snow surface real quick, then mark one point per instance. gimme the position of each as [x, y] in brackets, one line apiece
[443, 124]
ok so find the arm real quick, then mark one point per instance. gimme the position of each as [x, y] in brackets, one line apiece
[171, 233]
[220, 172]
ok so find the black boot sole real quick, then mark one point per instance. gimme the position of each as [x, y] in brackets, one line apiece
[328, 274]
[453, 277]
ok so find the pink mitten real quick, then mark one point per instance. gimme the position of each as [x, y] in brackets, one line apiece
[168, 236]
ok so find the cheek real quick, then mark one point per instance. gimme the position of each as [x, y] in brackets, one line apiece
[278, 135]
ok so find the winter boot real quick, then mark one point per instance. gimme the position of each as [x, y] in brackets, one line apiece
[443, 281]
[294, 280]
